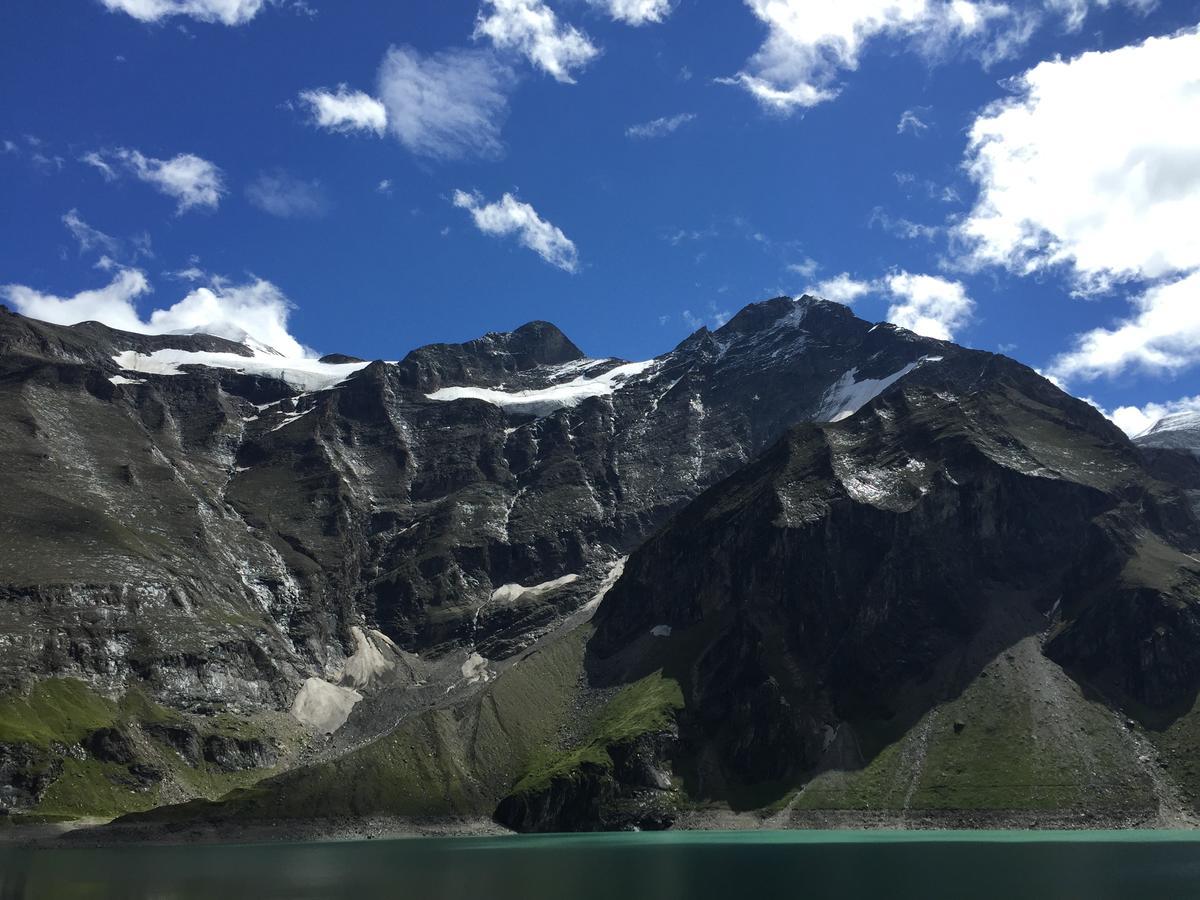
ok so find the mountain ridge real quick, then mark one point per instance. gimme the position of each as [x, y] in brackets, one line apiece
[382, 551]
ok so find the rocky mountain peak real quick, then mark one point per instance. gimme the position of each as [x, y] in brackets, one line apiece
[487, 359]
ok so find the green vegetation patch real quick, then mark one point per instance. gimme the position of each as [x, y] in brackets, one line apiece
[54, 711]
[1017, 738]
[92, 788]
[644, 707]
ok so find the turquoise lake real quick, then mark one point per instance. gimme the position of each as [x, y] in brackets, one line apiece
[1075, 865]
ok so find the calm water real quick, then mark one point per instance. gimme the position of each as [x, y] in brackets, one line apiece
[1079, 865]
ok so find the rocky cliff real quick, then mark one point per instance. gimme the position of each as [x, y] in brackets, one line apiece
[221, 566]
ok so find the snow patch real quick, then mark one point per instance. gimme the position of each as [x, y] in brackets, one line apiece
[121, 379]
[302, 374]
[848, 395]
[544, 401]
[509, 592]
[324, 706]
[661, 631]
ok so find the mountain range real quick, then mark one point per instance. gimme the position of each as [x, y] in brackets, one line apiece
[802, 569]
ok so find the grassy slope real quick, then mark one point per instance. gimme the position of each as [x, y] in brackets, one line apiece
[644, 707]
[1028, 740]
[455, 761]
[60, 712]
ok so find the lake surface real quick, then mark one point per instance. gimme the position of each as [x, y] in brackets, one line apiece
[778, 865]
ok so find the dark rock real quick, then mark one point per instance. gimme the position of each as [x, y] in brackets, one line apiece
[25, 774]
[110, 745]
[182, 738]
[233, 754]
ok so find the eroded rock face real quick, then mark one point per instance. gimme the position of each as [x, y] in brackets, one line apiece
[217, 534]
[841, 567]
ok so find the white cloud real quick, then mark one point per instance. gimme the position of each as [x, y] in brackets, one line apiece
[385, 187]
[1092, 165]
[807, 267]
[929, 305]
[842, 288]
[190, 180]
[345, 110]
[531, 28]
[283, 195]
[112, 304]
[809, 42]
[510, 216]
[659, 127]
[227, 12]
[446, 105]
[912, 123]
[1161, 337]
[1133, 420]
[635, 12]
[257, 309]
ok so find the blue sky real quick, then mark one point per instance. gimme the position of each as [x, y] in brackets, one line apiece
[272, 164]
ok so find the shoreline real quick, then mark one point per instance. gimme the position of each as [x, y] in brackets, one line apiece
[98, 835]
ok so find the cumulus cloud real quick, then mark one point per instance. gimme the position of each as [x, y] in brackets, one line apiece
[659, 127]
[256, 309]
[510, 216]
[227, 12]
[111, 304]
[635, 12]
[446, 105]
[1162, 336]
[345, 110]
[190, 180]
[842, 288]
[927, 304]
[283, 195]
[531, 28]
[1133, 420]
[1092, 166]
[810, 42]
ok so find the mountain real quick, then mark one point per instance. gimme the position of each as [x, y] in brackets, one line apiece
[1178, 431]
[332, 588]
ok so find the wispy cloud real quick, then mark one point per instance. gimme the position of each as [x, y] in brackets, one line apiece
[659, 127]
[510, 216]
[287, 197]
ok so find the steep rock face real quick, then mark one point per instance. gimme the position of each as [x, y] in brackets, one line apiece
[828, 580]
[214, 530]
